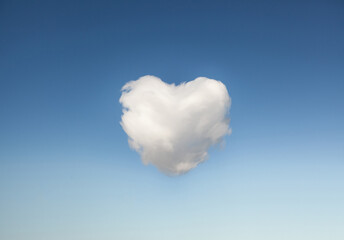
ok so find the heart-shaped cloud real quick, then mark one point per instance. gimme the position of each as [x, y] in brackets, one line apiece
[172, 127]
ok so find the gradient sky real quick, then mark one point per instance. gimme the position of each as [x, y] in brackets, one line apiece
[67, 172]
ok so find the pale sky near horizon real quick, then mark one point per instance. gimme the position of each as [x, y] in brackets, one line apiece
[67, 172]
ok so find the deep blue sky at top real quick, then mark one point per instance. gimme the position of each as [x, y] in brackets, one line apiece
[63, 63]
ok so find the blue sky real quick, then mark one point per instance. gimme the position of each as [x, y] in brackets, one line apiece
[67, 172]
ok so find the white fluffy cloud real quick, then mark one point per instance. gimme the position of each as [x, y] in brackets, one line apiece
[172, 127]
